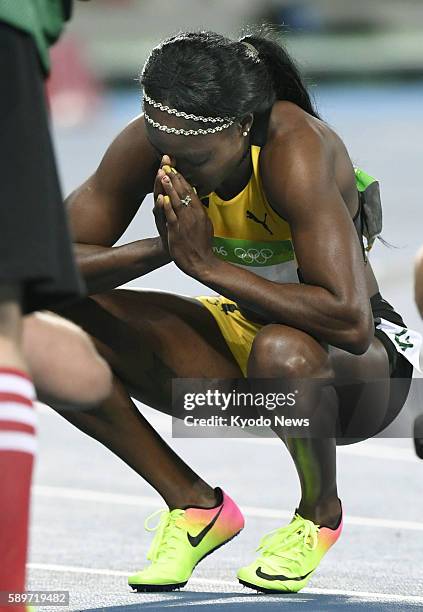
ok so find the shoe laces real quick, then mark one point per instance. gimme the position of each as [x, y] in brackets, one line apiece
[169, 533]
[290, 544]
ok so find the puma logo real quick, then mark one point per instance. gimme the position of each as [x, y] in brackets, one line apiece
[228, 308]
[251, 215]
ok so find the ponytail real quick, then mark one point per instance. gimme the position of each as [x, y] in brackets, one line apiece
[286, 78]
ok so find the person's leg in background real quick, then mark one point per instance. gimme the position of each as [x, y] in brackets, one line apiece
[37, 271]
[67, 370]
[17, 445]
[62, 362]
[418, 296]
[418, 281]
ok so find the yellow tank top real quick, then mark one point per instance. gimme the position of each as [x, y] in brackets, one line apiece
[250, 234]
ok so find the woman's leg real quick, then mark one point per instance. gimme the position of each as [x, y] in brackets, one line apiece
[285, 353]
[148, 338]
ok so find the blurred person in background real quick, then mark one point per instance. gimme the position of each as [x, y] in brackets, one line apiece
[37, 271]
[418, 296]
[256, 197]
[418, 281]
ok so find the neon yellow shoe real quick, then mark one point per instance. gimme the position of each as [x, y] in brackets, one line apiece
[289, 556]
[183, 539]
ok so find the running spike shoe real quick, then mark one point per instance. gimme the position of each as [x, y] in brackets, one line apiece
[183, 539]
[289, 556]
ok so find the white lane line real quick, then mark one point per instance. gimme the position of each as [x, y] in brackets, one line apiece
[249, 511]
[95, 496]
[367, 448]
[228, 583]
[72, 569]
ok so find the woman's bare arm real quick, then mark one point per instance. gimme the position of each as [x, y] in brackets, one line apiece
[101, 209]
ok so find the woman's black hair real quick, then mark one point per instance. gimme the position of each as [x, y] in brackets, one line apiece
[207, 74]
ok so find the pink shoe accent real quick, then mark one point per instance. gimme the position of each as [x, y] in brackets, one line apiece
[327, 536]
[228, 523]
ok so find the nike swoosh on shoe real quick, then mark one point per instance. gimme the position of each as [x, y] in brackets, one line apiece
[262, 574]
[196, 540]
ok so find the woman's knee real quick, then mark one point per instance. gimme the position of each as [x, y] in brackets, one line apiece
[285, 352]
[64, 362]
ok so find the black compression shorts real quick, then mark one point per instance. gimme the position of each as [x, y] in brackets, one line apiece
[401, 370]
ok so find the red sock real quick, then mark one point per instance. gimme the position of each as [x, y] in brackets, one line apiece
[17, 450]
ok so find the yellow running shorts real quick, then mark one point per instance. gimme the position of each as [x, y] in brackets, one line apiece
[237, 331]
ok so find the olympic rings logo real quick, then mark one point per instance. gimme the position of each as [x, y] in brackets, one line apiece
[257, 256]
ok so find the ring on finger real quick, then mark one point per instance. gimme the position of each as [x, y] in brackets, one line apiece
[186, 201]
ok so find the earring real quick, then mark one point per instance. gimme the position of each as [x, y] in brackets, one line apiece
[245, 133]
